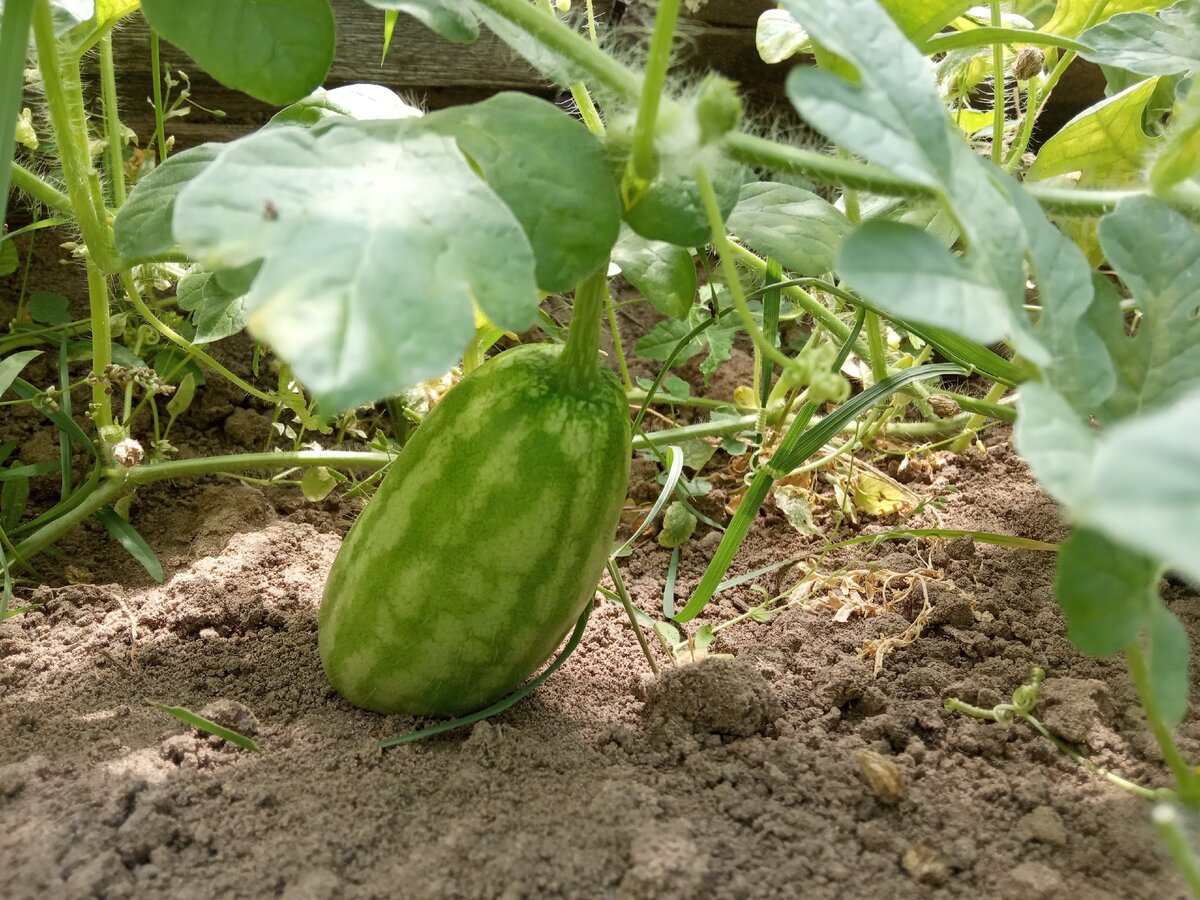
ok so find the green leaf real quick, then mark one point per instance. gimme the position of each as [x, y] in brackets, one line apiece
[143, 224]
[662, 273]
[1105, 142]
[1052, 437]
[1108, 593]
[14, 497]
[1071, 16]
[909, 273]
[275, 52]
[894, 116]
[9, 258]
[372, 251]
[183, 396]
[49, 308]
[216, 312]
[921, 19]
[11, 366]
[1169, 656]
[354, 101]
[207, 725]
[1156, 251]
[551, 171]
[792, 225]
[1166, 44]
[129, 538]
[1082, 370]
[451, 20]
[671, 210]
[1146, 485]
[779, 36]
[660, 341]
[316, 484]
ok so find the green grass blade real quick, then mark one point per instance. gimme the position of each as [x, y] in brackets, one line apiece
[207, 725]
[14, 42]
[500, 705]
[668, 598]
[798, 445]
[674, 471]
[27, 391]
[389, 27]
[66, 472]
[11, 366]
[127, 536]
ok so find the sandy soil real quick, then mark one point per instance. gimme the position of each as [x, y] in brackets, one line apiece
[792, 770]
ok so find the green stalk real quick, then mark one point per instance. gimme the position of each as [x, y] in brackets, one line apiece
[760, 152]
[763, 369]
[627, 603]
[580, 356]
[14, 39]
[101, 345]
[1186, 781]
[112, 121]
[29, 184]
[725, 253]
[160, 132]
[1171, 832]
[977, 421]
[643, 161]
[611, 311]
[552, 33]
[803, 299]
[68, 117]
[997, 88]
[120, 483]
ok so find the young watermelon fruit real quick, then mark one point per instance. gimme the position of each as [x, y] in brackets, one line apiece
[485, 540]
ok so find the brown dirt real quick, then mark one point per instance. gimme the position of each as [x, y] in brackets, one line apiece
[791, 770]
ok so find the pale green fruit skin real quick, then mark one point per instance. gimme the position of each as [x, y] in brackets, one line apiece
[483, 543]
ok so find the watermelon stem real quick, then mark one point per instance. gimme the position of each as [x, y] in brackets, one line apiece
[579, 359]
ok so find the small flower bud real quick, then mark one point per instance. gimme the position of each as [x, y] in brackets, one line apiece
[1029, 63]
[718, 108]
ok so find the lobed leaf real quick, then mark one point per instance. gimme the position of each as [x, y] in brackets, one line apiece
[373, 248]
[663, 273]
[143, 224]
[1106, 142]
[1156, 251]
[794, 226]
[1166, 44]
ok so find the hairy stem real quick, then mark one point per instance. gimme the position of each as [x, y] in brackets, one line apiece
[112, 121]
[643, 162]
[68, 117]
[122, 482]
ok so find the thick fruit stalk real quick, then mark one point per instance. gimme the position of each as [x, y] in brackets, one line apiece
[484, 541]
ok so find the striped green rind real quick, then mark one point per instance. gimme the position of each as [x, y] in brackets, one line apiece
[482, 544]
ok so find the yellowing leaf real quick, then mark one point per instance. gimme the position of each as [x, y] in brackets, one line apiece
[1070, 16]
[1105, 143]
[879, 497]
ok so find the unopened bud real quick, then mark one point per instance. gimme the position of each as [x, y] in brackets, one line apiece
[1029, 63]
[718, 108]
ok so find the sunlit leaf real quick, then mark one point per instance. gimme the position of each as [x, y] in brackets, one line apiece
[1106, 142]
[372, 251]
